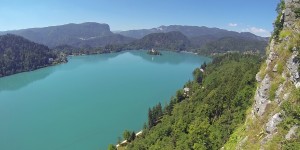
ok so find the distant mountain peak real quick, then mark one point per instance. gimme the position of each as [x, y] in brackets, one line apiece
[88, 33]
[189, 31]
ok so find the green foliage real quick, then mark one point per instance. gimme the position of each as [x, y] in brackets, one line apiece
[280, 67]
[174, 40]
[154, 115]
[278, 24]
[198, 75]
[132, 136]
[129, 136]
[291, 118]
[291, 145]
[126, 135]
[208, 117]
[297, 12]
[280, 6]
[233, 44]
[179, 96]
[273, 89]
[285, 33]
[18, 55]
[274, 86]
[112, 147]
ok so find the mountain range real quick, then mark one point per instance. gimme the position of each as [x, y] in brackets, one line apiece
[77, 35]
[203, 39]
[94, 35]
[191, 32]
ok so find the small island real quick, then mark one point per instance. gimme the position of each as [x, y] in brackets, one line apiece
[153, 52]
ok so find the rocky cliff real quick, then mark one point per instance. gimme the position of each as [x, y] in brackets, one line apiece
[272, 122]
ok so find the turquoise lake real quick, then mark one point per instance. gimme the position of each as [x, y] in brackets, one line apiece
[88, 102]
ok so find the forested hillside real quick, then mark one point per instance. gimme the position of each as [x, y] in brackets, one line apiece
[175, 41]
[226, 44]
[18, 55]
[206, 115]
[92, 38]
[204, 40]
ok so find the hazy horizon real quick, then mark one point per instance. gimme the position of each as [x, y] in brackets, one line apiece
[116, 31]
[234, 15]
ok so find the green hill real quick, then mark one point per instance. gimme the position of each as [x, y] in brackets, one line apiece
[206, 116]
[18, 54]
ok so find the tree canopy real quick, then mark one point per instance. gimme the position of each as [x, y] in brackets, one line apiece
[206, 118]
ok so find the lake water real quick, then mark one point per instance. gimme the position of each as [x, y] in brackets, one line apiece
[88, 102]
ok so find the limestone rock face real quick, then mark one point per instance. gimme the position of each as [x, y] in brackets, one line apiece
[272, 56]
[275, 69]
[293, 69]
[262, 96]
[273, 122]
[278, 92]
[258, 78]
[291, 132]
[289, 14]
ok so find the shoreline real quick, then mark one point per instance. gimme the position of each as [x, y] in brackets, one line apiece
[188, 52]
[85, 54]
[41, 67]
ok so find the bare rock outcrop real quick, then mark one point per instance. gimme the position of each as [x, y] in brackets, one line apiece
[289, 12]
[291, 133]
[278, 93]
[271, 126]
[262, 96]
[292, 66]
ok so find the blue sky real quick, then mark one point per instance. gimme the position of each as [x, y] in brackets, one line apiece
[254, 16]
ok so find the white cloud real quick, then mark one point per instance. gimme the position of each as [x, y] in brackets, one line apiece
[232, 24]
[258, 31]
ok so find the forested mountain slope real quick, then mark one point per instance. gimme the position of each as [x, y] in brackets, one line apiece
[204, 117]
[18, 55]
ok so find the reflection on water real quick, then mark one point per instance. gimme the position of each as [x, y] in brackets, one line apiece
[81, 104]
[17, 81]
[20, 80]
[166, 56]
[77, 61]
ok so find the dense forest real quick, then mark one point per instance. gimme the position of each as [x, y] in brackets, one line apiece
[226, 44]
[95, 38]
[174, 40]
[177, 41]
[204, 116]
[18, 55]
